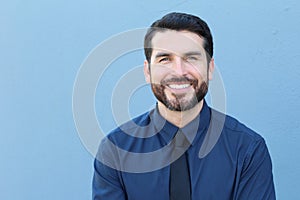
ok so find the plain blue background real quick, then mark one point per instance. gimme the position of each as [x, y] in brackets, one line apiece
[43, 43]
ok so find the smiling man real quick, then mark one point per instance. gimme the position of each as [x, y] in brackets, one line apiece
[158, 156]
[178, 71]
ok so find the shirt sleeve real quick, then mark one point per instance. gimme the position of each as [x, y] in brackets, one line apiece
[257, 179]
[107, 180]
[106, 183]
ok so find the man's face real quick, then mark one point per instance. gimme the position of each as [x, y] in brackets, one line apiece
[179, 71]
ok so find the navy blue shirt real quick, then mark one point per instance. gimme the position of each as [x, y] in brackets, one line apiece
[226, 159]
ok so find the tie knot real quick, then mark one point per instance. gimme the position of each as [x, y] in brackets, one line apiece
[180, 141]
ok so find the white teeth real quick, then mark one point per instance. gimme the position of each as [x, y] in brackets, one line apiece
[179, 86]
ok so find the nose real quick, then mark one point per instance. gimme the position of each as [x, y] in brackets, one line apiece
[178, 66]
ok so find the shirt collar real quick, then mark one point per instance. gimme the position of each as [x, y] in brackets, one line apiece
[191, 131]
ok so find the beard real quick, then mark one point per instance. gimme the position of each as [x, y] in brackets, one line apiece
[180, 102]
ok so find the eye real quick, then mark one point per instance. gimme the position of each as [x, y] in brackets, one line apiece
[164, 60]
[191, 58]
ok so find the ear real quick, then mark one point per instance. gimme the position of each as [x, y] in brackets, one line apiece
[147, 71]
[211, 68]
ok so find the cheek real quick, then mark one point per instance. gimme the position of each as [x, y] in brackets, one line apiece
[200, 75]
[158, 74]
[204, 76]
[199, 71]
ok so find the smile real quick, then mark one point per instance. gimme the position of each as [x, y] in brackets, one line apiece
[179, 86]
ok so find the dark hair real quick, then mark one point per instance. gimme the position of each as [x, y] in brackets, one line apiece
[179, 22]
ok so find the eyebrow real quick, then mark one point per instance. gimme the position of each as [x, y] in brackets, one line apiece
[191, 53]
[159, 55]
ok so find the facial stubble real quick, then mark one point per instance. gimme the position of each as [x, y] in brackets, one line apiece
[179, 102]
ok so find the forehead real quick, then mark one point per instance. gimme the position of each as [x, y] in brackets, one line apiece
[178, 42]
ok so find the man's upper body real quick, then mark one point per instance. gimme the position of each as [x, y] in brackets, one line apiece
[226, 160]
[238, 166]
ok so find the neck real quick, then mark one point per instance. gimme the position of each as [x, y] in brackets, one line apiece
[179, 118]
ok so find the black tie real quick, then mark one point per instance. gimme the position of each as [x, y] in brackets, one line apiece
[179, 172]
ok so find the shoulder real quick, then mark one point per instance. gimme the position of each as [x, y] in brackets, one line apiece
[232, 127]
[235, 136]
[120, 140]
[239, 140]
[131, 134]
[131, 125]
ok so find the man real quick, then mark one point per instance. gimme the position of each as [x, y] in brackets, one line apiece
[182, 149]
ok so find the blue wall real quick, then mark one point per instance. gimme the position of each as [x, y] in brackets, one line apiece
[43, 43]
